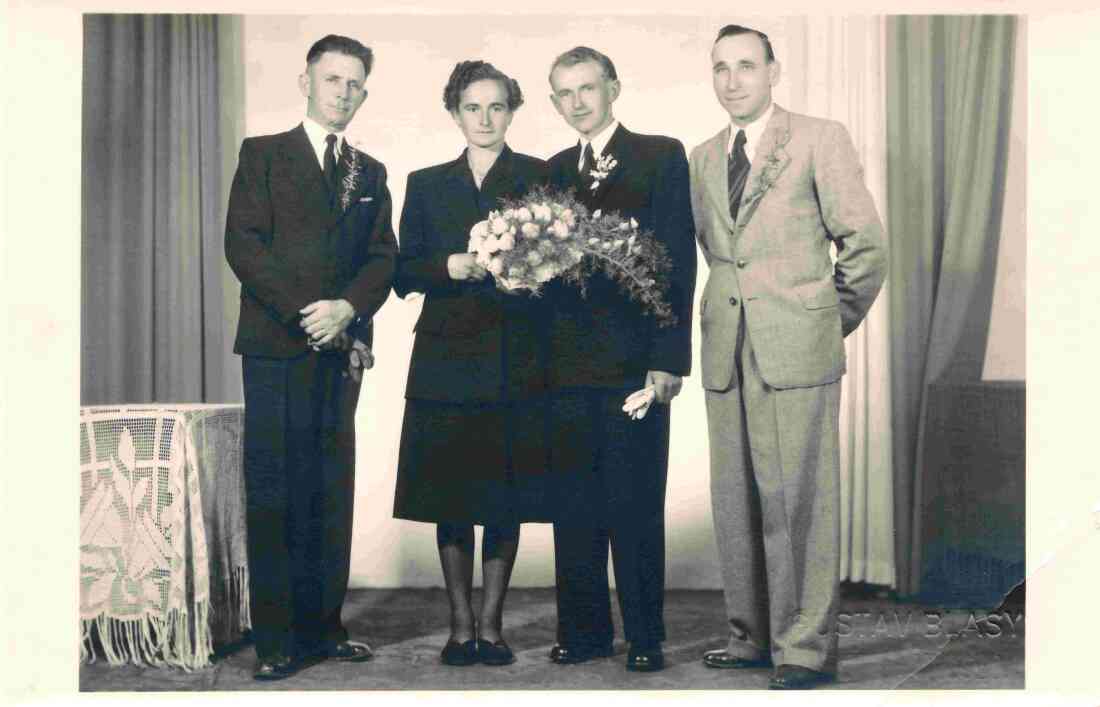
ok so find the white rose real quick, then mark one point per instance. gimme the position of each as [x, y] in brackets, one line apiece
[491, 244]
[569, 217]
[543, 213]
[509, 214]
[530, 230]
[523, 214]
[495, 266]
[534, 257]
[545, 272]
[517, 271]
[480, 229]
[546, 247]
[498, 225]
[506, 242]
[559, 229]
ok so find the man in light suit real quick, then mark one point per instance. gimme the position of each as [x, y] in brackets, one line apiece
[770, 194]
[603, 347]
[309, 235]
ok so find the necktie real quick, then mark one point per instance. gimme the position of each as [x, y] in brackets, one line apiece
[329, 167]
[738, 173]
[588, 164]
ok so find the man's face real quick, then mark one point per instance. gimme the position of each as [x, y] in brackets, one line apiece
[333, 87]
[583, 96]
[742, 76]
[483, 114]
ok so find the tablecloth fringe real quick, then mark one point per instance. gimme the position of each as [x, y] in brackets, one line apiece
[239, 594]
[177, 639]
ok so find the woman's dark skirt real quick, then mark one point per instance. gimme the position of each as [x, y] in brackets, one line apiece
[475, 463]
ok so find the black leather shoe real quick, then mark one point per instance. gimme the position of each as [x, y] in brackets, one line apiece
[795, 677]
[722, 658]
[645, 659]
[571, 655]
[496, 653]
[461, 654]
[350, 652]
[275, 667]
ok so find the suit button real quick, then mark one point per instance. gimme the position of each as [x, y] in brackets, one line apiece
[742, 263]
[733, 301]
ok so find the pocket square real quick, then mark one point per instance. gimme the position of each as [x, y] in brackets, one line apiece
[365, 199]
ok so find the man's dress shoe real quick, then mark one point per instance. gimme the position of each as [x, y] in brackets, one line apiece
[350, 652]
[275, 667]
[796, 677]
[722, 658]
[645, 659]
[571, 655]
[461, 654]
[496, 653]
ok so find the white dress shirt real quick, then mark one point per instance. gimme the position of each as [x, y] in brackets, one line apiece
[317, 134]
[598, 143]
[753, 133]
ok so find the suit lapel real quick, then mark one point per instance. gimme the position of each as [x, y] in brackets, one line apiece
[307, 173]
[768, 163]
[716, 176]
[615, 148]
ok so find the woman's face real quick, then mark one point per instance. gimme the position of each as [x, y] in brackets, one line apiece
[483, 114]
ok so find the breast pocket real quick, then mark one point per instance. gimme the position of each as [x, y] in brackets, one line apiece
[820, 294]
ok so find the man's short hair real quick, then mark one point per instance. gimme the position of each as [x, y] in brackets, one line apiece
[579, 55]
[467, 72]
[341, 45]
[734, 30]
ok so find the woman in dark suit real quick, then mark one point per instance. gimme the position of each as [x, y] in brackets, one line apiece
[473, 438]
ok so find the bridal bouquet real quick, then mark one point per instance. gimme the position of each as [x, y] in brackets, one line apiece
[548, 234]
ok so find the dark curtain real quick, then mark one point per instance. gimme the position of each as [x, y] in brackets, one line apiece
[162, 121]
[949, 94]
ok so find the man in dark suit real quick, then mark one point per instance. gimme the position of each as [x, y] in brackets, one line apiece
[603, 348]
[310, 237]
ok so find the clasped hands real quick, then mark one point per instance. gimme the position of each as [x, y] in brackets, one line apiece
[325, 323]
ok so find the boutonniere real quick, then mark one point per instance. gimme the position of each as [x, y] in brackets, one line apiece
[351, 160]
[772, 167]
[604, 165]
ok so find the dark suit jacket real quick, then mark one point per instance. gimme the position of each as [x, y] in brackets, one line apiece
[290, 244]
[466, 329]
[605, 340]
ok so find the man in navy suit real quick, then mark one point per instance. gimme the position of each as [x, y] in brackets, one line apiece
[603, 348]
[309, 235]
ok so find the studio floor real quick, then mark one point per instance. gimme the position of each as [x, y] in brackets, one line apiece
[884, 644]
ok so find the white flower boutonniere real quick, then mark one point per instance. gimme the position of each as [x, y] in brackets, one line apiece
[351, 163]
[774, 163]
[603, 168]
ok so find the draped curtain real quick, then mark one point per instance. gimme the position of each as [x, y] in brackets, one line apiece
[949, 94]
[835, 69]
[162, 119]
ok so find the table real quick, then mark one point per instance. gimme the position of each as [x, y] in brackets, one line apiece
[163, 545]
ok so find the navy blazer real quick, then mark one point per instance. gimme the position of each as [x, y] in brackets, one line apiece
[604, 340]
[291, 244]
[473, 342]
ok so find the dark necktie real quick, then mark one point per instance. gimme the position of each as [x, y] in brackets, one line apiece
[738, 173]
[329, 168]
[588, 164]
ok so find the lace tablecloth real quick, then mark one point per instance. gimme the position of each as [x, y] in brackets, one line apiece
[163, 545]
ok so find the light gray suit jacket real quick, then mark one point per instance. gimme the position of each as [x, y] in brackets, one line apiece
[805, 190]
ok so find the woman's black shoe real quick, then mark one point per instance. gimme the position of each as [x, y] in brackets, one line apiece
[497, 653]
[455, 653]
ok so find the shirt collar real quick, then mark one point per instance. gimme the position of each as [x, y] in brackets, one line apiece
[317, 134]
[599, 143]
[753, 132]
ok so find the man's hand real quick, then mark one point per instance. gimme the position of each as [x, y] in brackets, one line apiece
[463, 266]
[360, 358]
[665, 385]
[326, 319]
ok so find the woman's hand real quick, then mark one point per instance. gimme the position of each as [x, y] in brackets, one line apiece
[463, 266]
